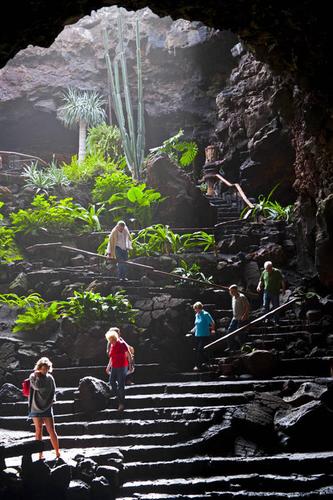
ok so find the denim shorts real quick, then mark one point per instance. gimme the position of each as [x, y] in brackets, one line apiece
[46, 413]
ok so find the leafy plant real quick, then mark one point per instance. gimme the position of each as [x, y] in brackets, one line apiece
[9, 251]
[105, 140]
[93, 165]
[37, 178]
[193, 271]
[111, 184]
[267, 208]
[55, 216]
[57, 175]
[89, 305]
[199, 239]
[160, 239]
[35, 316]
[137, 202]
[181, 152]
[81, 108]
[20, 302]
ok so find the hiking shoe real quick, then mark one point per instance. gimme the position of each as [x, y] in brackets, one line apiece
[195, 369]
[121, 407]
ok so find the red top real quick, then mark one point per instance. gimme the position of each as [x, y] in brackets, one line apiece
[118, 354]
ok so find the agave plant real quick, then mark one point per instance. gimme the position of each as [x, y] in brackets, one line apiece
[37, 178]
[267, 208]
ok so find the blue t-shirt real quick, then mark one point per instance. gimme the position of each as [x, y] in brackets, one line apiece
[202, 322]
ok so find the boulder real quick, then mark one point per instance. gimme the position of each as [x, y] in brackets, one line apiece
[308, 427]
[9, 393]
[260, 363]
[94, 394]
[100, 489]
[307, 392]
[78, 490]
[60, 477]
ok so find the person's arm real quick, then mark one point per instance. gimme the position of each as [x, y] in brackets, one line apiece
[246, 309]
[260, 284]
[283, 286]
[34, 380]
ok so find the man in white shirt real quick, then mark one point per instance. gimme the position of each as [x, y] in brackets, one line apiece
[240, 309]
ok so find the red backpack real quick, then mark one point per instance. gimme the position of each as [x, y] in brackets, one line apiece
[26, 387]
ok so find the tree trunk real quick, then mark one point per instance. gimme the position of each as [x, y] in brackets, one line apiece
[82, 140]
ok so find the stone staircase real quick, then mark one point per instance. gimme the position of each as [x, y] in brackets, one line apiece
[176, 438]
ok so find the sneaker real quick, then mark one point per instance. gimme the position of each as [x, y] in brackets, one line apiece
[195, 369]
[121, 407]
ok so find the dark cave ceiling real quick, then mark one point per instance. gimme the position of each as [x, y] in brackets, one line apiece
[292, 37]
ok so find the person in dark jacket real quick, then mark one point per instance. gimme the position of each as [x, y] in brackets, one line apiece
[41, 399]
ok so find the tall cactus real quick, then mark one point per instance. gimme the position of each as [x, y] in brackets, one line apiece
[133, 137]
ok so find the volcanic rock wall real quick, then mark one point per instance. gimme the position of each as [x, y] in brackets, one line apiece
[184, 66]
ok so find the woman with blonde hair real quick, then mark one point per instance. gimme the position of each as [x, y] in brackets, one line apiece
[41, 399]
[119, 360]
[118, 245]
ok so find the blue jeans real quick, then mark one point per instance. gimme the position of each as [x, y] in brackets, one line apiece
[117, 382]
[273, 298]
[121, 256]
[239, 338]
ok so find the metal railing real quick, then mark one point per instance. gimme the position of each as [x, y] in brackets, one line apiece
[254, 322]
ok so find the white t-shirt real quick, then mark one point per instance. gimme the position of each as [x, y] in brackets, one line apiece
[238, 306]
[121, 240]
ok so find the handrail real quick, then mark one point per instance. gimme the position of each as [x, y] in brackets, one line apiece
[258, 320]
[23, 154]
[150, 268]
[237, 187]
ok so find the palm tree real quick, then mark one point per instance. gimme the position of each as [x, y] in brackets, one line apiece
[84, 108]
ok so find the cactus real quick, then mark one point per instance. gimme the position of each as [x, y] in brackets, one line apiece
[133, 137]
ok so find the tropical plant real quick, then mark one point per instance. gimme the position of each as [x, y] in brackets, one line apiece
[93, 306]
[133, 137]
[105, 140]
[9, 251]
[37, 178]
[35, 316]
[137, 202]
[81, 108]
[90, 217]
[267, 208]
[20, 302]
[193, 271]
[183, 153]
[199, 239]
[160, 239]
[57, 175]
[94, 164]
[108, 185]
[55, 216]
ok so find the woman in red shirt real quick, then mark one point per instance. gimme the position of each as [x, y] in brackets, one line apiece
[118, 365]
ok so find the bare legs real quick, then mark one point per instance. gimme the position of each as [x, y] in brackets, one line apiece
[49, 424]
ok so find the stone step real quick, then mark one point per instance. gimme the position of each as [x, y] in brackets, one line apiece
[16, 422]
[256, 483]
[299, 463]
[126, 426]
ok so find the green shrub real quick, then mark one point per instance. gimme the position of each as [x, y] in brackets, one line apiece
[56, 216]
[13, 300]
[111, 184]
[105, 140]
[93, 306]
[181, 152]
[93, 165]
[35, 316]
[9, 251]
[193, 271]
[160, 239]
[268, 209]
[137, 203]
